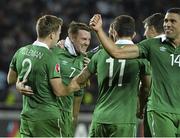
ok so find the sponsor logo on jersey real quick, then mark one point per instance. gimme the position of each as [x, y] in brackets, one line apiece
[57, 68]
[163, 49]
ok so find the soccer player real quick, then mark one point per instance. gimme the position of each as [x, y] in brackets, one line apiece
[118, 82]
[153, 26]
[164, 56]
[71, 62]
[37, 64]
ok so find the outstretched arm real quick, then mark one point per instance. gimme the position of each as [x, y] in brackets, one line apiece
[130, 51]
[60, 89]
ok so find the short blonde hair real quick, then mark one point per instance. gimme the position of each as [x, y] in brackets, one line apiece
[47, 24]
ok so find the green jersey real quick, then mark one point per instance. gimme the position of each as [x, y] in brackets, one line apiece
[38, 65]
[93, 51]
[70, 67]
[118, 83]
[165, 62]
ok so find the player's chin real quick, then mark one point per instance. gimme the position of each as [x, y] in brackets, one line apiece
[169, 35]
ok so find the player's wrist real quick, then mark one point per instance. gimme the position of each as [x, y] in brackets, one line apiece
[99, 30]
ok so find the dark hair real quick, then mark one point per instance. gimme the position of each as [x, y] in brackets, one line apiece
[124, 25]
[47, 24]
[74, 27]
[156, 20]
[174, 10]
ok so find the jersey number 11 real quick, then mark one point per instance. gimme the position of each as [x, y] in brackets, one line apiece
[111, 66]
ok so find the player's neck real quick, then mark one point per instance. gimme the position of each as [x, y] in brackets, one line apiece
[177, 42]
[124, 38]
[45, 41]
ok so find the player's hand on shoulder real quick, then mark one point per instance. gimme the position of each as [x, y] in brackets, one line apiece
[22, 88]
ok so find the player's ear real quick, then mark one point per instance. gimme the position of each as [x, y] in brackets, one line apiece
[114, 33]
[153, 30]
[52, 35]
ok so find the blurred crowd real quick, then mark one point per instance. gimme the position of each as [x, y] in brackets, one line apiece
[17, 25]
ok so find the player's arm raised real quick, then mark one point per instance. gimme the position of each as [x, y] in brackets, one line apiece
[130, 51]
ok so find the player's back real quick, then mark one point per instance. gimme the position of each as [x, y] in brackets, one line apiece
[37, 65]
[118, 81]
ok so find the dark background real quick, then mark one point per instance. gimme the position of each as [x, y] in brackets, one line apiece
[17, 28]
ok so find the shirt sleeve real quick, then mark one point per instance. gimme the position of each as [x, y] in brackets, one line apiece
[145, 67]
[144, 49]
[54, 67]
[13, 62]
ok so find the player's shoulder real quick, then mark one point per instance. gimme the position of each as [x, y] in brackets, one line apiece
[151, 40]
[60, 51]
[56, 48]
[23, 48]
[143, 61]
[100, 52]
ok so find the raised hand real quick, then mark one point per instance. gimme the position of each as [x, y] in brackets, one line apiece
[96, 22]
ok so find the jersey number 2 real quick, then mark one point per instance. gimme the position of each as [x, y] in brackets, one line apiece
[111, 66]
[27, 61]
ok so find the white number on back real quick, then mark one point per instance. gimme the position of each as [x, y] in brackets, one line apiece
[111, 66]
[27, 61]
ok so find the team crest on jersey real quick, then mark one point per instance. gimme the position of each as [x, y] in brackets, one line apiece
[57, 68]
[162, 49]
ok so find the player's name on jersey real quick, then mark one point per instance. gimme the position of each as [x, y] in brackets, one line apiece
[32, 53]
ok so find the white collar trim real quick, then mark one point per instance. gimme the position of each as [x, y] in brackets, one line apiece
[124, 41]
[70, 47]
[38, 43]
[160, 36]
